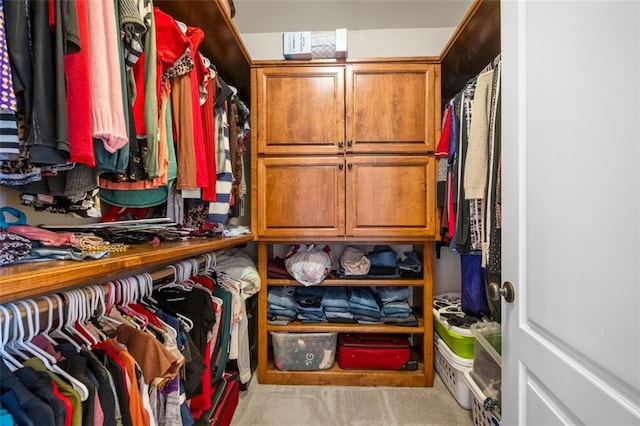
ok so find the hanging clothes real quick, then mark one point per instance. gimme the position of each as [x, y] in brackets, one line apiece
[468, 189]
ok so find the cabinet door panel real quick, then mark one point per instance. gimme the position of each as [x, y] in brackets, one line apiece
[391, 108]
[299, 196]
[301, 110]
[391, 196]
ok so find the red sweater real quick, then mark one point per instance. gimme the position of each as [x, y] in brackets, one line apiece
[78, 76]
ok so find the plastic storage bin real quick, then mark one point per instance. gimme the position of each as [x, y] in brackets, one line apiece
[451, 369]
[483, 412]
[460, 340]
[487, 359]
[303, 351]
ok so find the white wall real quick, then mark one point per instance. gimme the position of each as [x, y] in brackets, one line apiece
[446, 272]
[10, 197]
[382, 43]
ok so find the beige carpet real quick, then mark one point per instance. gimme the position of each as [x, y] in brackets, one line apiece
[275, 405]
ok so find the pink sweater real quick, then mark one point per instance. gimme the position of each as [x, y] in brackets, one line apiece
[107, 105]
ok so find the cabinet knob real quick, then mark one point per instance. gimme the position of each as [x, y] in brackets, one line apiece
[349, 142]
[350, 166]
[340, 166]
[340, 144]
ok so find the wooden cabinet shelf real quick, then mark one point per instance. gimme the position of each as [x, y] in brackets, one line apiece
[411, 282]
[32, 279]
[299, 327]
[336, 376]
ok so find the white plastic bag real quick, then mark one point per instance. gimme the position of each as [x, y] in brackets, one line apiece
[308, 264]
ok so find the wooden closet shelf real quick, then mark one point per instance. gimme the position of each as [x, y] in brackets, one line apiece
[352, 282]
[340, 377]
[32, 279]
[473, 46]
[297, 326]
[359, 240]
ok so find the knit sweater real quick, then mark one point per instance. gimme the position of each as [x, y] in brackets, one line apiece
[476, 162]
[107, 107]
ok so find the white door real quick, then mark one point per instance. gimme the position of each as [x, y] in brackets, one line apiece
[571, 212]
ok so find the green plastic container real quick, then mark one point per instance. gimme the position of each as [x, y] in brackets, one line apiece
[460, 340]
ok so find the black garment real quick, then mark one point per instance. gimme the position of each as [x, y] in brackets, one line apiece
[41, 139]
[225, 94]
[41, 385]
[194, 368]
[16, 26]
[26, 406]
[194, 304]
[118, 380]
[76, 366]
[106, 389]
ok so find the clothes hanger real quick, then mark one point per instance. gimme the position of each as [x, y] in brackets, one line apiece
[185, 321]
[97, 309]
[47, 359]
[45, 333]
[109, 304]
[177, 281]
[210, 262]
[33, 324]
[140, 282]
[11, 363]
[183, 269]
[73, 313]
[18, 333]
[84, 312]
[89, 293]
[127, 292]
[135, 294]
[192, 269]
[146, 289]
[195, 267]
[145, 281]
[58, 331]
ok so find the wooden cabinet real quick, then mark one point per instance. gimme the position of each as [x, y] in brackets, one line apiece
[301, 196]
[345, 151]
[359, 195]
[359, 108]
[299, 110]
[344, 154]
[390, 196]
[391, 108]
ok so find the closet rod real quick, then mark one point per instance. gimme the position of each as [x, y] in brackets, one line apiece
[157, 276]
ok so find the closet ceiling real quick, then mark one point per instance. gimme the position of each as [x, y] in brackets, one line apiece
[264, 16]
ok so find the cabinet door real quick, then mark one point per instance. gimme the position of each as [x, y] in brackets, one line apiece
[391, 108]
[300, 196]
[300, 110]
[390, 196]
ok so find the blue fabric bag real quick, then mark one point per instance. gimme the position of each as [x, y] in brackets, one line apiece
[473, 296]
